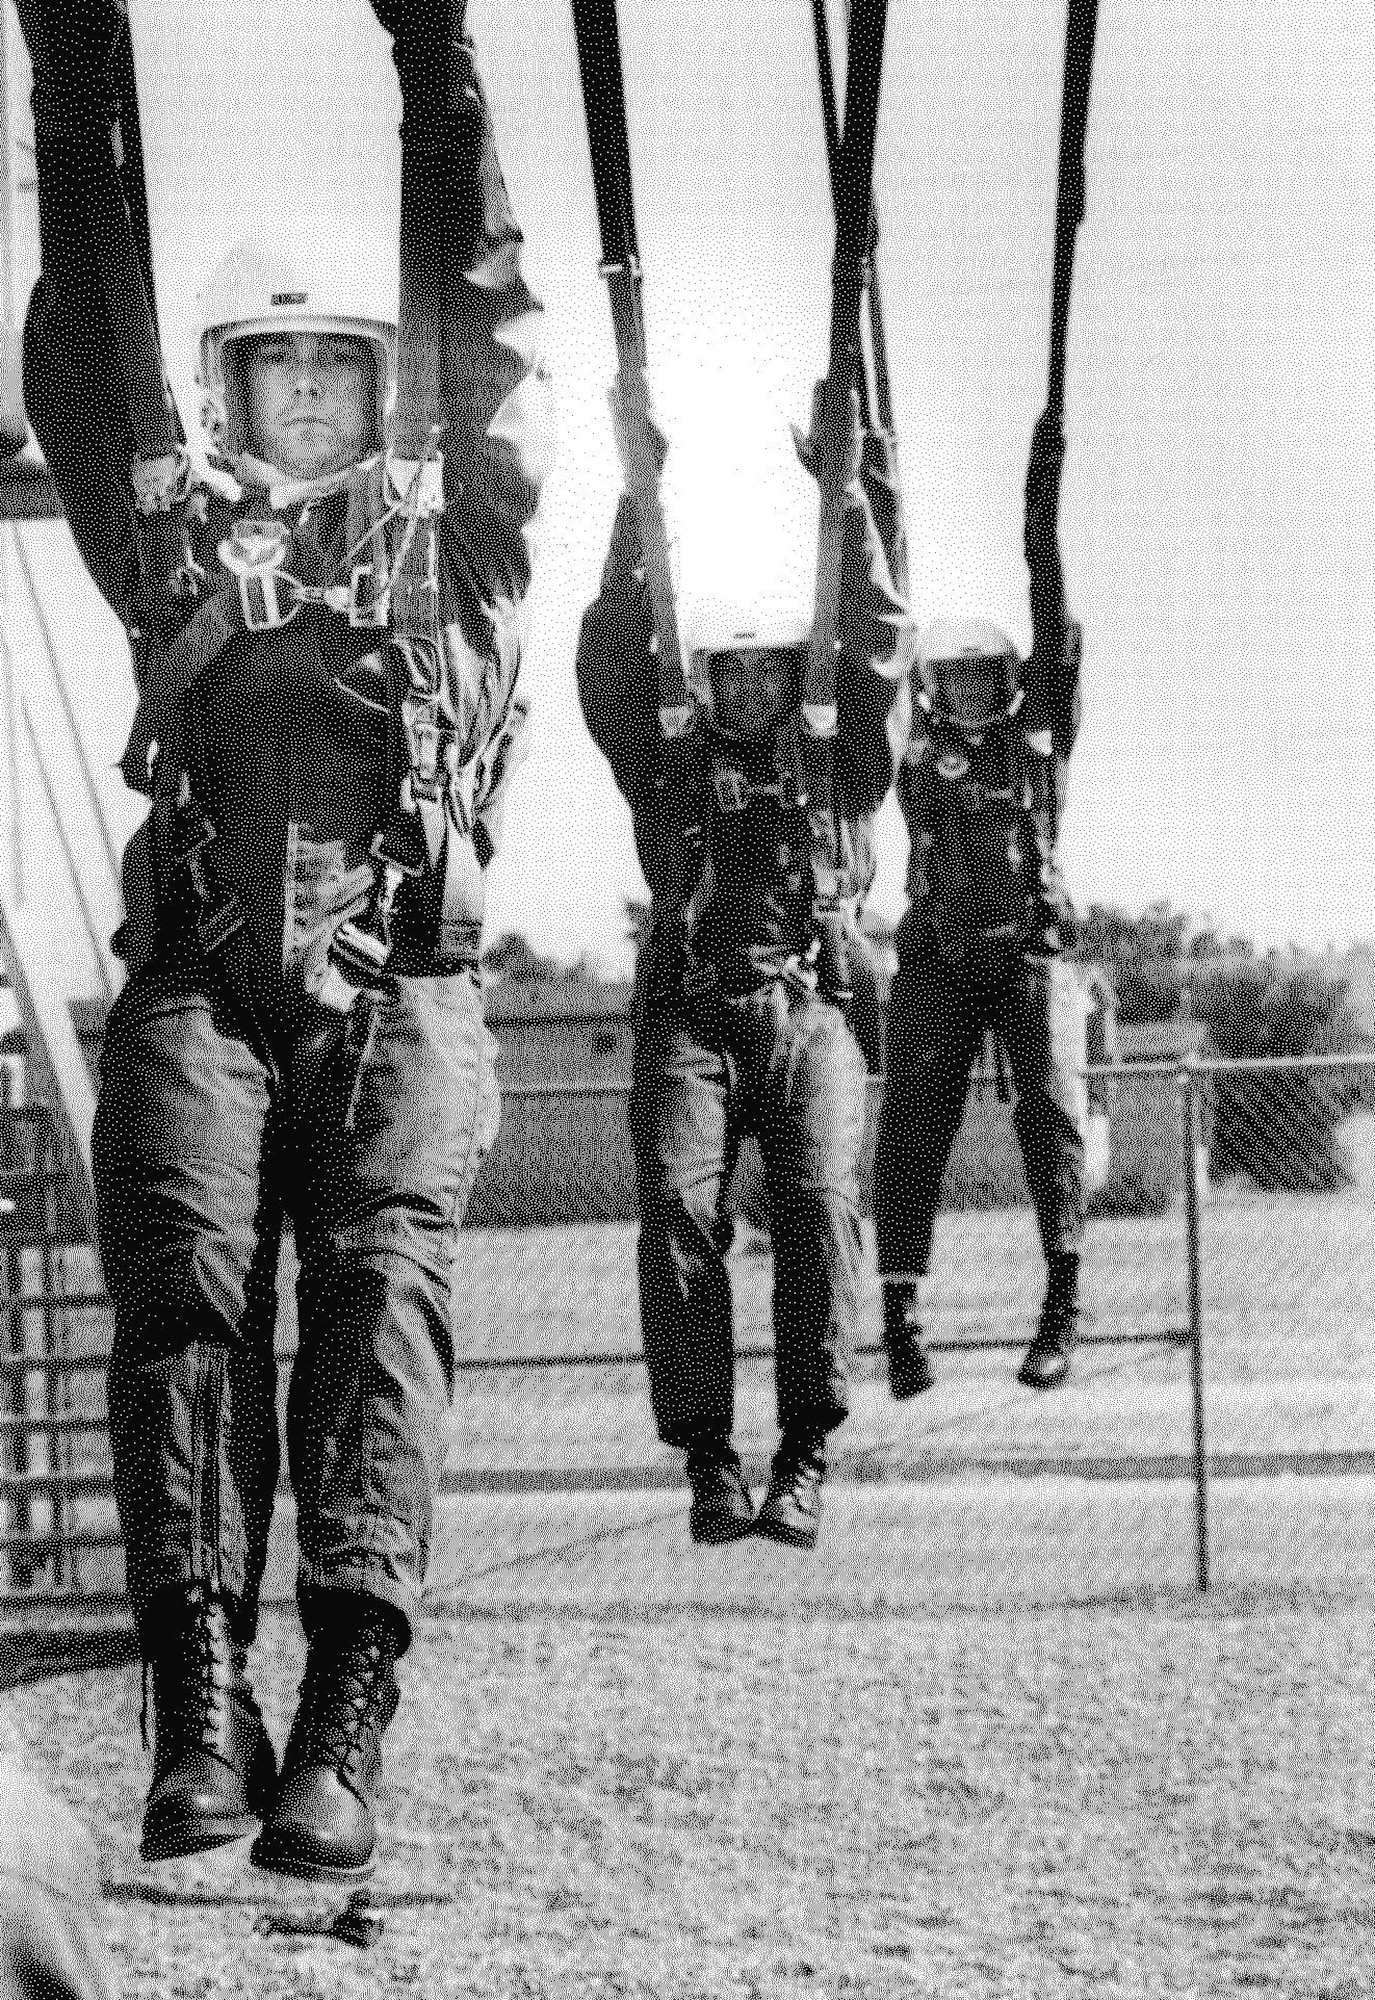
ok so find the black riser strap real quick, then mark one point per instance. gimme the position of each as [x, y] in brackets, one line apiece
[1080, 29]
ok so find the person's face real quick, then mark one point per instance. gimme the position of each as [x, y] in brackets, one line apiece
[752, 687]
[974, 691]
[310, 401]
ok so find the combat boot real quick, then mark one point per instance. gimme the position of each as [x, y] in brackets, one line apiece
[722, 1510]
[909, 1364]
[791, 1511]
[321, 1825]
[1046, 1362]
[213, 1762]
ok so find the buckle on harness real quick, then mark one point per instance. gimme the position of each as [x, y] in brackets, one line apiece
[369, 597]
[217, 923]
[160, 484]
[218, 918]
[261, 601]
[425, 777]
[361, 947]
[734, 791]
[417, 483]
[191, 833]
[254, 554]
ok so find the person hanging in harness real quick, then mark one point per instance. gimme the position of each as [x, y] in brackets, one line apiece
[982, 790]
[328, 721]
[744, 1021]
[753, 742]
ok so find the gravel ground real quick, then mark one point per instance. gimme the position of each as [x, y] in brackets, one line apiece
[988, 1742]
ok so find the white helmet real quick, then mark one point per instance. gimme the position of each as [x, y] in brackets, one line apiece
[749, 653]
[300, 277]
[969, 672]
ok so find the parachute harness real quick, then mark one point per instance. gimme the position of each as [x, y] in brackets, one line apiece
[804, 749]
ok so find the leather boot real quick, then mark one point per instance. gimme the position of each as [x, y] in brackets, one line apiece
[1046, 1362]
[213, 1762]
[321, 1825]
[791, 1511]
[722, 1510]
[909, 1365]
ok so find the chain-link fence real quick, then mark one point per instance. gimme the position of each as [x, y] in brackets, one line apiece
[1231, 1236]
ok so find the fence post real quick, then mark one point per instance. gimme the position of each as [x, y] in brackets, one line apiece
[1189, 1135]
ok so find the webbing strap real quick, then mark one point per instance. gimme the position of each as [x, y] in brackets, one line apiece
[854, 181]
[878, 400]
[413, 830]
[806, 756]
[1080, 28]
[603, 89]
[603, 92]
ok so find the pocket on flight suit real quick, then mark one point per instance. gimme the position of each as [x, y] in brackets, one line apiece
[422, 1114]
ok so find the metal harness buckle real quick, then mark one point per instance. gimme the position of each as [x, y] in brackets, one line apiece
[219, 918]
[426, 775]
[362, 946]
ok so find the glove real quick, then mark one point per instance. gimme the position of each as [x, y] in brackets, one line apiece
[623, 429]
[1044, 466]
[432, 56]
[832, 451]
[72, 50]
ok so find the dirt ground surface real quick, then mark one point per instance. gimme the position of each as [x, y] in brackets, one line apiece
[989, 1741]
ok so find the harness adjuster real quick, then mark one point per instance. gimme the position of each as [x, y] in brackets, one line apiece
[361, 947]
[735, 792]
[426, 775]
[698, 977]
[261, 599]
[191, 833]
[160, 484]
[218, 922]
[417, 484]
[369, 597]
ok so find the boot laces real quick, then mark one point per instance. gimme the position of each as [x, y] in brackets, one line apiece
[799, 1465]
[348, 1692]
[192, 1682]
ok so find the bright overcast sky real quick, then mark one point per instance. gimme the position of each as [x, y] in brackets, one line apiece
[1219, 496]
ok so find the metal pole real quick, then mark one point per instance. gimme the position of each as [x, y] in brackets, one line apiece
[64, 695]
[93, 935]
[11, 728]
[1188, 1102]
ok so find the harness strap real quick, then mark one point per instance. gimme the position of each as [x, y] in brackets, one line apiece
[188, 837]
[876, 398]
[414, 832]
[1080, 29]
[684, 760]
[806, 749]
